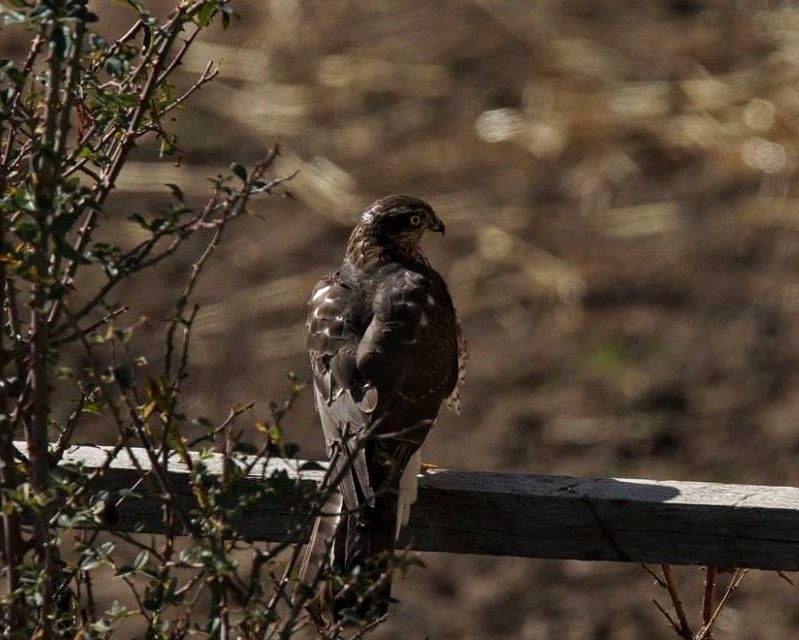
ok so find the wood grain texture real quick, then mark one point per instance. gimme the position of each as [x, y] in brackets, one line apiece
[723, 525]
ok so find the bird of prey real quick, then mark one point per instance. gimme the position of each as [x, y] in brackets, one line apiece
[386, 350]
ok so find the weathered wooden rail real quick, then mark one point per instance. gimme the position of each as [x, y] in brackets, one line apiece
[723, 525]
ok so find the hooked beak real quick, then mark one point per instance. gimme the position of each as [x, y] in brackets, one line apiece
[436, 225]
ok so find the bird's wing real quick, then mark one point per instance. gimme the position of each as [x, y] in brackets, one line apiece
[386, 351]
[334, 332]
[406, 351]
[343, 402]
[388, 376]
[409, 353]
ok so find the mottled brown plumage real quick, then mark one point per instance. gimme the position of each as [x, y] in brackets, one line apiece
[386, 349]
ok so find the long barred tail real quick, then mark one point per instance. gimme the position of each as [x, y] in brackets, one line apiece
[338, 546]
[368, 545]
[361, 539]
[321, 545]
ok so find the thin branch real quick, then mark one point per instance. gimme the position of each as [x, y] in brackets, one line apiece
[655, 576]
[178, 59]
[671, 587]
[234, 413]
[736, 581]
[209, 74]
[232, 208]
[672, 622]
[117, 44]
[11, 535]
[710, 590]
[138, 429]
[110, 174]
[60, 342]
[33, 53]
[44, 179]
[787, 578]
[66, 434]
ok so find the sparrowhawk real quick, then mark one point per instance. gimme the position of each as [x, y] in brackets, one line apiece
[386, 349]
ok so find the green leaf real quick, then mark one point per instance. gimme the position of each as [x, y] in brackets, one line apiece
[101, 626]
[116, 610]
[27, 231]
[68, 251]
[125, 570]
[128, 99]
[167, 148]
[206, 14]
[138, 219]
[176, 192]
[239, 171]
[23, 199]
[176, 441]
[63, 223]
[115, 66]
[124, 376]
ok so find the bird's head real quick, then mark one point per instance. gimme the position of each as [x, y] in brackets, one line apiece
[395, 225]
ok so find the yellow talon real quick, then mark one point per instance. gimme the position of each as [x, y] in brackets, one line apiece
[427, 466]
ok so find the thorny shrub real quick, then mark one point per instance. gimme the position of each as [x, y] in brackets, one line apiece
[71, 110]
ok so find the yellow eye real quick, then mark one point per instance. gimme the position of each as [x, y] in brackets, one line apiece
[416, 221]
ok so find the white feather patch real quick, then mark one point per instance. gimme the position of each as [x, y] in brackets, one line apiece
[408, 491]
[321, 292]
[369, 401]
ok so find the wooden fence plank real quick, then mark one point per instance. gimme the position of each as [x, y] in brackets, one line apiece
[724, 525]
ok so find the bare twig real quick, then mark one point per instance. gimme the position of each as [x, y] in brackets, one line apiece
[69, 428]
[684, 628]
[209, 74]
[673, 623]
[655, 576]
[736, 581]
[60, 342]
[232, 209]
[787, 578]
[710, 590]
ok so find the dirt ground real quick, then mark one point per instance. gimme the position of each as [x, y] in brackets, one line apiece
[619, 186]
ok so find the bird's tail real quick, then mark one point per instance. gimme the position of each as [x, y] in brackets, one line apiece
[363, 558]
[346, 569]
[349, 560]
[318, 554]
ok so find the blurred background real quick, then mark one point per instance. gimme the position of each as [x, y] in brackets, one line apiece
[618, 182]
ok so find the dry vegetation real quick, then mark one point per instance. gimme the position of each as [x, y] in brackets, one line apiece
[618, 182]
